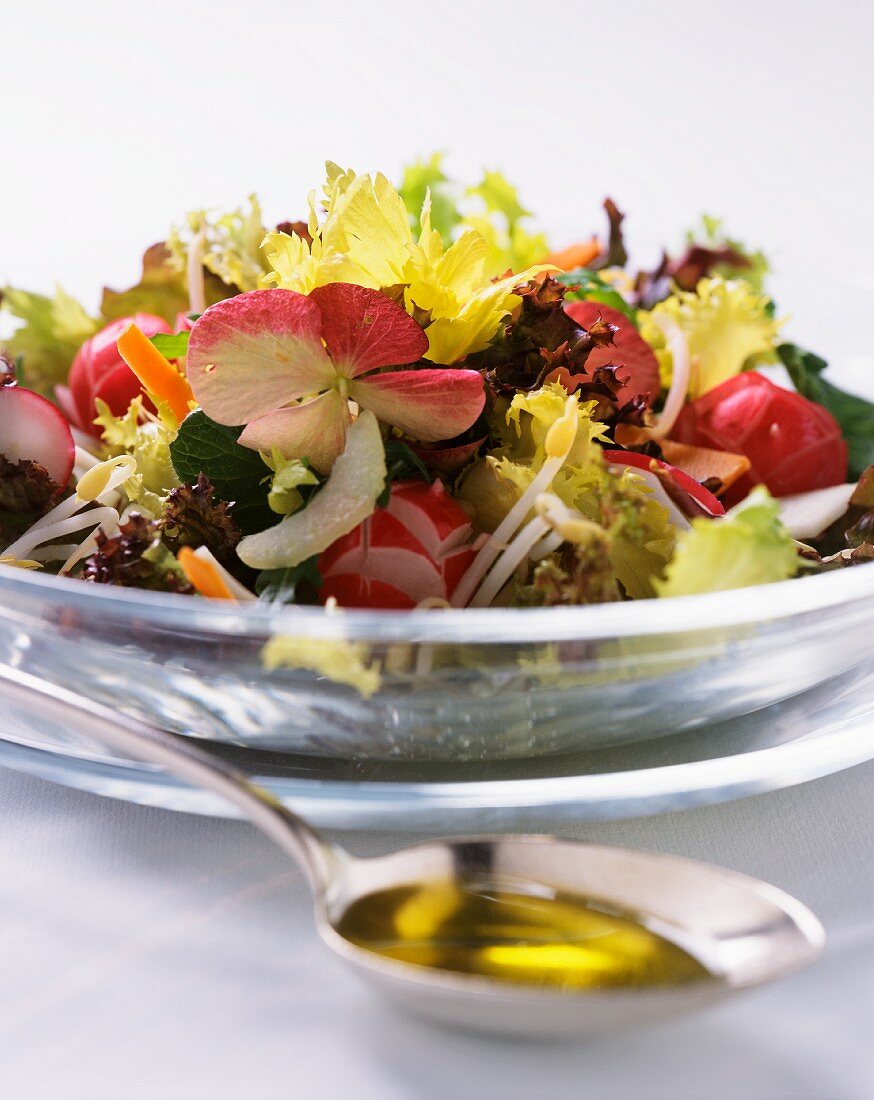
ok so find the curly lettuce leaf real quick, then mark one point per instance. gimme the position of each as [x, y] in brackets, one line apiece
[575, 574]
[193, 517]
[26, 493]
[639, 532]
[747, 546]
[729, 257]
[135, 557]
[53, 331]
[340, 661]
[148, 439]
[728, 326]
[230, 243]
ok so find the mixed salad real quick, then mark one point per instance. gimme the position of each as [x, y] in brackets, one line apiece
[412, 400]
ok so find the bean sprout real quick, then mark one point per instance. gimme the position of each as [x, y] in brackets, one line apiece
[680, 377]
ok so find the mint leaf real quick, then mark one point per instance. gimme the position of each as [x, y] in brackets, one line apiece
[590, 287]
[237, 473]
[172, 345]
[281, 585]
[854, 414]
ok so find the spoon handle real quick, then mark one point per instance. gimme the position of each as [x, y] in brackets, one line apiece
[312, 852]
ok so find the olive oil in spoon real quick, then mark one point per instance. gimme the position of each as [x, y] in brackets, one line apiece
[513, 933]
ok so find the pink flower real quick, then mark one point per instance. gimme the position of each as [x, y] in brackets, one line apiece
[287, 365]
[416, 548]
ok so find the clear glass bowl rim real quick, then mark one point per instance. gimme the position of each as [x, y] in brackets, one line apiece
[508, 626]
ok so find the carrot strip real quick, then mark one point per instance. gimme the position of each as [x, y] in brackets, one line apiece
[157, 374]
[703, 463]
[203, 575]
[576, 255]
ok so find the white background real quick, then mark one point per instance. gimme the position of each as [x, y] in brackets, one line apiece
[144, 954]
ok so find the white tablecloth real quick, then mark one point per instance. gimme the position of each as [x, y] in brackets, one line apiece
[149, 954]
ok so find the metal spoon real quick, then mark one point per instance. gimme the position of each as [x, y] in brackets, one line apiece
[745, 932]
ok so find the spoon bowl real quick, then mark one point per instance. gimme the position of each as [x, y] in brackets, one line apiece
[744, 932]
[657, 935]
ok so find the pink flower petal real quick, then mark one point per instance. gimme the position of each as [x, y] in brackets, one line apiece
[254, 353]
[364, 329]
[315, 430]
[428, 405]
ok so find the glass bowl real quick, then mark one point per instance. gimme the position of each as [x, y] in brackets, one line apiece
[457, 685]
[460, 685]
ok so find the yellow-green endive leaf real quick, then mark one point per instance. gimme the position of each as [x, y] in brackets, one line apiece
[747, 546]
[728, 326]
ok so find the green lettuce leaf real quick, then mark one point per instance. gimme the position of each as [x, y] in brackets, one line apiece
[53, 331]
[589, 286]
[283, 585]
[231, 244]
[854, 414]
[172, 345]
[747, 546]
[418, 179]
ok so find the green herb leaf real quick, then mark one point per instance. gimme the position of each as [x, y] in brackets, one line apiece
[854, 414]
[237, 474]
[402, 464]
[171, 345]
[590, 287]
[281, 585]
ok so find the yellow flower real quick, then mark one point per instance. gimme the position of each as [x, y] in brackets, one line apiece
[366, 239]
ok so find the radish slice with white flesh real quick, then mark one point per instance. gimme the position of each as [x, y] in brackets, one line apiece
[32, 429]
[348, 497]
[806, 515]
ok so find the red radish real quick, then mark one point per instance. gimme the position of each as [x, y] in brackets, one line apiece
[33, 429]
[793, 444]
[415, 549]
[629, 350]
[644, 463]
[447, 461]
[99, 371]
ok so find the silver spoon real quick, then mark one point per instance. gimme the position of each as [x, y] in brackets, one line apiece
[743, 931]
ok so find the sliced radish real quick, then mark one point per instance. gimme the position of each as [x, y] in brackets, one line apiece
[33, 429]
[806, 515]
[416, 548]
[353, 590]
[447, 461]
[642, 463]
[431, 515]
